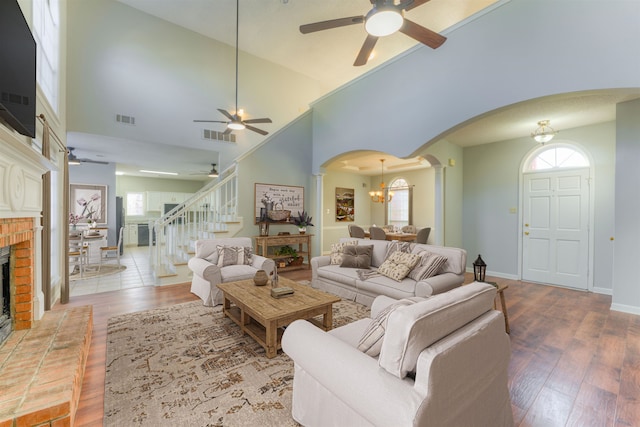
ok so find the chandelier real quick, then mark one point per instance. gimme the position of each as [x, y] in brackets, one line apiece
[378, 196]
[544, 132]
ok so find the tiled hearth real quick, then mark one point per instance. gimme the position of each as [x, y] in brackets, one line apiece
[42, 361]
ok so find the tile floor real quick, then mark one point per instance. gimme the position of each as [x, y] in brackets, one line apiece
[137, 274]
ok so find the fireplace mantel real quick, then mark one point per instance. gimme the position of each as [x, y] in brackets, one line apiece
[21, 169]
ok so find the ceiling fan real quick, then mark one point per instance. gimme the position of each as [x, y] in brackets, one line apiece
[383, 19]
[235, 120]
[73, 160]
[213, 173]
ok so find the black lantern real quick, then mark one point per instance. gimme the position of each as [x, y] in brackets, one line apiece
[479, 269]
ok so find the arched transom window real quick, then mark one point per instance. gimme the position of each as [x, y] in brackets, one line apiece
[556, 158]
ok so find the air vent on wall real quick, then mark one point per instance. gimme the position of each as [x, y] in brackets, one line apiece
[127, 120]
[218, 136]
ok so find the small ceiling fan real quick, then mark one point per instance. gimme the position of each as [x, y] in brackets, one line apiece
[235, 120]
[73, 160]
[213, 173]
[383, 19]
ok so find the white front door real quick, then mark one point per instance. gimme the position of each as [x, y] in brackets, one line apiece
[556, 228]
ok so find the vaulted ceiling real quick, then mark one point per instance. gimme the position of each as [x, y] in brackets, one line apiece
[269, 29]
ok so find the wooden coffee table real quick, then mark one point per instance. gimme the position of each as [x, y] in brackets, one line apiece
[262, 317]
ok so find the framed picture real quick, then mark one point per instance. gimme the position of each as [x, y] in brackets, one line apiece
[277, 203]
[345, 211]
[88, 201]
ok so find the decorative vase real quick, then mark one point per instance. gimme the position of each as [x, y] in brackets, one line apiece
[302, 230]
[264, 228]
[74, 227]
[261, 278]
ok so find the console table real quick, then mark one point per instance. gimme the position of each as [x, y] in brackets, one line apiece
[302, 240]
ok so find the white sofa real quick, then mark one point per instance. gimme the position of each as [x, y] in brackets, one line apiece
[443, 362]
[345, 282]
[207, 275]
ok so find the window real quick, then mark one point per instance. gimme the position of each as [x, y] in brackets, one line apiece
[46, 31]
[135, 204]
[399, 208]
[557, 157]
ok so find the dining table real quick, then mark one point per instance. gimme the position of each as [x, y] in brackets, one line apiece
[404, 237]
[93, 241]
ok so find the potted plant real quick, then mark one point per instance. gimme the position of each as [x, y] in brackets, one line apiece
[290, 253]
[302, 220]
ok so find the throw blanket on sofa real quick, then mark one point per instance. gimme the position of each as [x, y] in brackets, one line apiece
[365, 274]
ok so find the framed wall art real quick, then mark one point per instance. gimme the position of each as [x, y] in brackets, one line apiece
[88, 201]
[277, 203]
[345, 211]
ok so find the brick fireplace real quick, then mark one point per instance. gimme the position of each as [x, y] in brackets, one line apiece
[17, 233]
[43, 358]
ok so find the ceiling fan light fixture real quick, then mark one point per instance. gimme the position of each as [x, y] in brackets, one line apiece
[544, 133]
[72, 160]
[236, 125]
[214, 172]
[383, 21]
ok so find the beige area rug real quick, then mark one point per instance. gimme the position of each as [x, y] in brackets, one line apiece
[92, 271]
[188, 365]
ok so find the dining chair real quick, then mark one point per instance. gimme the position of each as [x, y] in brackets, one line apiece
[377, 233]
[78, 254]
[356, 231]
[107, 252]
[423, 235]
[409, 229]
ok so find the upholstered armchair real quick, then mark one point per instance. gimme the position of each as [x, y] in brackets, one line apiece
[223, 260]
[440, 361]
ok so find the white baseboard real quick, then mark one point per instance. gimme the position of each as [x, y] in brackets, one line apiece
[625, 308]
[497, 274]
[603, 291]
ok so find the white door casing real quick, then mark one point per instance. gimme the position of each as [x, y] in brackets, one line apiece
[555, 240]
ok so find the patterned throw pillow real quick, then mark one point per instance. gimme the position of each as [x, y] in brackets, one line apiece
[337, 250]
[396, 246]
[398, 265]
[233, 255]
[371, 340]
[357, 256]
[428, 266]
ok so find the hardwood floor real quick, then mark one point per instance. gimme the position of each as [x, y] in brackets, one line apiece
[574, 362]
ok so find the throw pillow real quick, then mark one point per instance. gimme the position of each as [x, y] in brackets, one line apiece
[357, 257]
[233, 255]
[396, 246]
[428, 266]
[337, 250]
[398, 265]
[371, 339]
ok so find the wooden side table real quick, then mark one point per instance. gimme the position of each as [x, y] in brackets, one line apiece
[501, 287]
[302, 240]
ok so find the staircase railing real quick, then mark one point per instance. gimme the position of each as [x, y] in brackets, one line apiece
[207, 212]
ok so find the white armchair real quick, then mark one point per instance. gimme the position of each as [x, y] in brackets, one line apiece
[207, 274]
[443, 362]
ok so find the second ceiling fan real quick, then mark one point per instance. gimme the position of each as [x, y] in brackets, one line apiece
[385, 18]
[235, 121]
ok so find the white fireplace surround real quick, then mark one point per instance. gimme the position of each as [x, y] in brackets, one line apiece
[21, 170]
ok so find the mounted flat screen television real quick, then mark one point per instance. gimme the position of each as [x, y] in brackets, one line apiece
[17, 70]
